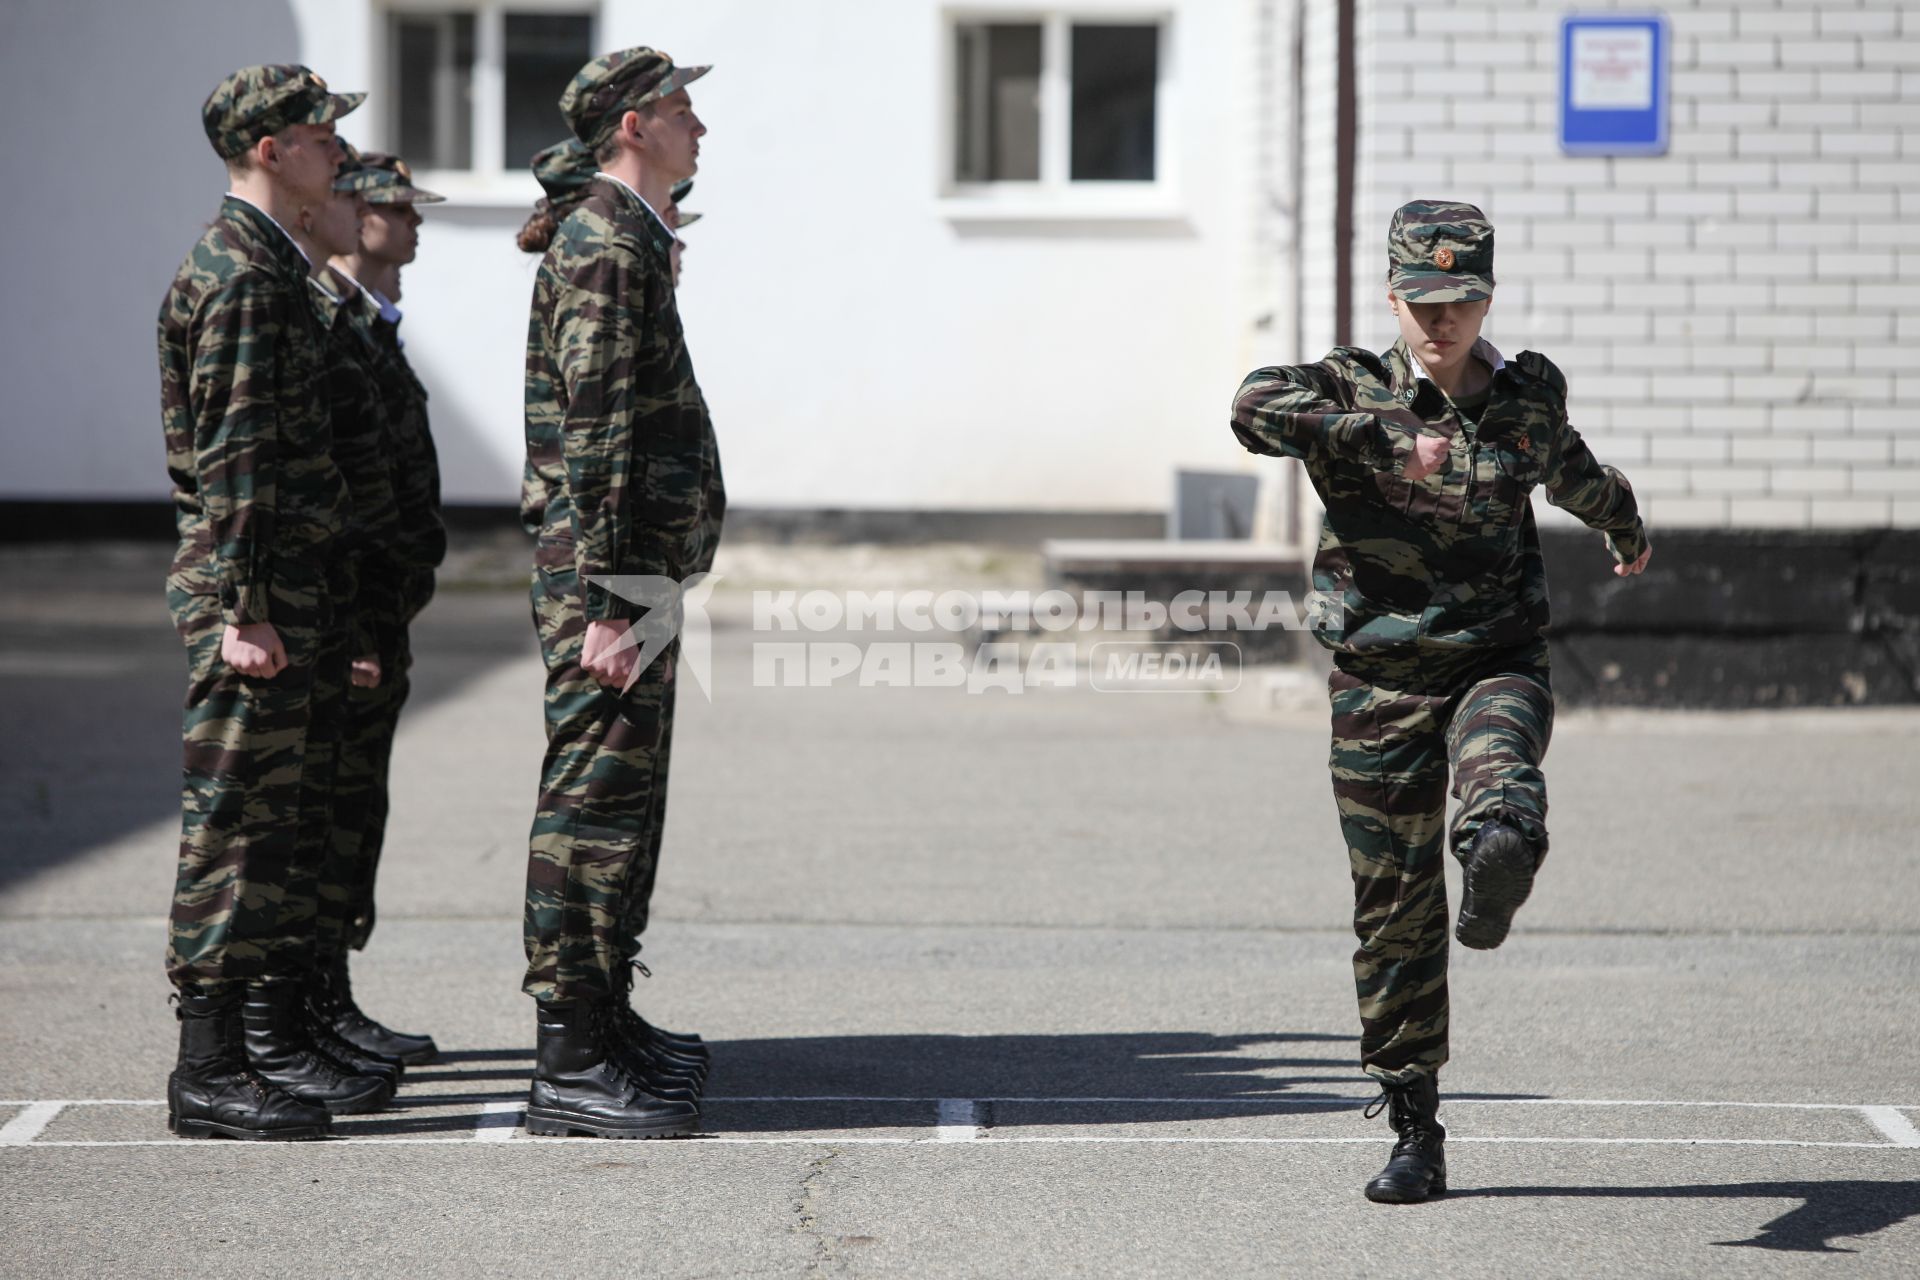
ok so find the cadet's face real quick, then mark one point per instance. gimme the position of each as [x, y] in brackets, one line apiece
[673, 134]
[1441, 334]
[391, 234]
[336, 224]
[304, 158]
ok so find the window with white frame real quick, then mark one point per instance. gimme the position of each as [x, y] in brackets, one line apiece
[476, 86]
[1057, 98]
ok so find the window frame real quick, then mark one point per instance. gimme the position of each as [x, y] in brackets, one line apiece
[489, 180]
[1056, 194]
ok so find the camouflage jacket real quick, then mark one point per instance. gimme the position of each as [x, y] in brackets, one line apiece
[362, 450]
[623, 471]
[422, 534]
[1451, 561]
[243, 405]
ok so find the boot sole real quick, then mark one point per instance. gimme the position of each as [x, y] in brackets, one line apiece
[1500, 881]
[560, 1125]
[214, 1129]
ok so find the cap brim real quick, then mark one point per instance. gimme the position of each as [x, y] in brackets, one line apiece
[405, 195]
[679, 79]
[336, 105]
[1438, 286]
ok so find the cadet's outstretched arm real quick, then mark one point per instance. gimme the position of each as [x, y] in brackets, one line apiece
[1306, 412]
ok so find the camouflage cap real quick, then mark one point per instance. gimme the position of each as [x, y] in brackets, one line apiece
[564, 169]
[615, 83]
[1440, 251]
[382, 178]
[258, 102]
[681, 190]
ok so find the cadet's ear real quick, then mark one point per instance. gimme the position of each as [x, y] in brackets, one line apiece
[1393, 303]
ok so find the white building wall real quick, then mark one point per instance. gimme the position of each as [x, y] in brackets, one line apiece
[863, 343]
[1735, 318]
[110, 182]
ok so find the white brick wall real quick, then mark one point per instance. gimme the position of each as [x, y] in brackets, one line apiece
[1736, 318]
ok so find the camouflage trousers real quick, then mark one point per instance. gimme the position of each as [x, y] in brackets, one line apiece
[259, 757]
[594, 848]
[359, 811]
[1399, 728]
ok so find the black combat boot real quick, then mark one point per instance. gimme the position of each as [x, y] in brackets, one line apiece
[663, 1076]
[1418, 1166]
[215, 1093]
[348, 1054]
[683, 1046]
[281, 1048]
[580, 1086]
[1497, 875]
[332, 996]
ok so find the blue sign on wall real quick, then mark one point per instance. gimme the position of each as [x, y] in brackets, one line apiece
[1613, 86]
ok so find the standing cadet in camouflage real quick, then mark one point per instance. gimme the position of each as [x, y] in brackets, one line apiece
[1431, 592]
[258, 504]
[622, 472]
[401, 562]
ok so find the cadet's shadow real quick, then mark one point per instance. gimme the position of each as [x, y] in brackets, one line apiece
[1850, 1207]
[1032, 1079]
[820, 1083]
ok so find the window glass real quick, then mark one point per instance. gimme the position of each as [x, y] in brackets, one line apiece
[998, 131]
[543, 50]
[433, 88]
[1115, 71]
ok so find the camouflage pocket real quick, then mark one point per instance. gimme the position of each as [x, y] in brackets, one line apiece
[1504, 477]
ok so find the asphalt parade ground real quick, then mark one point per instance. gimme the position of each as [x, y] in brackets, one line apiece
[1054, 983]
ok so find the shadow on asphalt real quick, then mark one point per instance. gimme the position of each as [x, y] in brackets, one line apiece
[1830, 1209]
[90, 713]
[807, 1085]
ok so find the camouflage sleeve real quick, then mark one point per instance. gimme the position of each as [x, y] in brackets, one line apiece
[235, 436]
[1577, 482]
[713, 512]
[597, 316]
[1306, 412]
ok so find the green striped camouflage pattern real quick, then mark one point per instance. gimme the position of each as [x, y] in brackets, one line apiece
[1440, 251]
[244, 411]
[259, 506]
[259, 760]
[1400, 727]
[623, 477]
[422, 534]
[1451, 561]
[377, 579]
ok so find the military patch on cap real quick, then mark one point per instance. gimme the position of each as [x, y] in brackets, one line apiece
[1440, 251]
[613, 84]
[258, 102]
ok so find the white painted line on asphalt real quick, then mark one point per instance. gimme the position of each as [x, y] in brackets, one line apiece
[497, 1121]
[29, 1124]
[1060, 1140]
[958, 1120]
[1897, 1127]
[428, 1100]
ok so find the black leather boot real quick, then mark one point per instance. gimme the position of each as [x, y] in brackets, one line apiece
[213, 1091]
[348, 1054]
[1497, 875]
[663, 1076]
[281, 1048]
[685, 1046]
[332, 996]
[580, 1086]
[1418, 1166]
